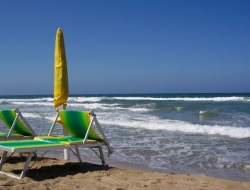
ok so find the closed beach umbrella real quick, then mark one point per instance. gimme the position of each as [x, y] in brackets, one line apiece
[61, 89]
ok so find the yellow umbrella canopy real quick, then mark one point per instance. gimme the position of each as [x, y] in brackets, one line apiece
[61, 89]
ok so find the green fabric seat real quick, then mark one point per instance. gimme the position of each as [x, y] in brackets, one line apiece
[66, 140]
[29, 144]
[2, 134]
[16, 123]
[77, 123]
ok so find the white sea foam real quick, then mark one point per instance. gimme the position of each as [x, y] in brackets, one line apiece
[216, 99]
[98, 99]
[28, 100]
[34, 103]
[48, 99]
[154, 123]
[138, 109]
[179, 108]
[84, 99]
[51, 118]
[203, 112]
[32, 115]
[94, 106]
[38, 100]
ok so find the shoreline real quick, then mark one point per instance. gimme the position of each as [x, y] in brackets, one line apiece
[54, 173]
[143, 167]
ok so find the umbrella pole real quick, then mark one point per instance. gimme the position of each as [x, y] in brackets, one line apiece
[66, 150]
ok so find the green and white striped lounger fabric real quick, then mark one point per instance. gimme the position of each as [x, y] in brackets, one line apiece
[65, 140]
[17, 125]
[77, 123]
[28, 144]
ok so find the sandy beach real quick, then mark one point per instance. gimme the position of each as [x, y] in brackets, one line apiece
[53, 173]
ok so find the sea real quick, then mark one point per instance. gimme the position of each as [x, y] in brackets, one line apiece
[204, 134]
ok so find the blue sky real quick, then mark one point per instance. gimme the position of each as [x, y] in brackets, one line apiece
[126, 46]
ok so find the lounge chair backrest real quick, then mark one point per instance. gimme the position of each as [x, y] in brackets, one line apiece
[8, 117]
[77, 123]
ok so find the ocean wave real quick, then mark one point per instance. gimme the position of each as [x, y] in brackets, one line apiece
[153, 106]
[31, 115]
[145, 107]
[179, 108]
[4, 103]
[43, 99]
[137, 109]
[215, 99]
[208, 113]
[110, 99]
[85, 99]
[204, 112]
[34, 103]
[154, 123]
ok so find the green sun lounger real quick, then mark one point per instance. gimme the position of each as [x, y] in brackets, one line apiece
[82, 135]
[17, 125]
[80, 124]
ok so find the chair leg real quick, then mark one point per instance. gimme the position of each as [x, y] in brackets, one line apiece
[26, 165]
[3, 159]
[78, 155]
[102, 156]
